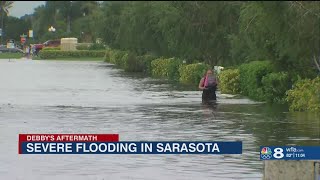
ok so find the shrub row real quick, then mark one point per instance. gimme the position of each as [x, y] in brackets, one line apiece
[251, 75]
[171, 68]
[275, 86]
[166, 68]
[305, 95]
[257, 79]
[229, 81]
[83, 47]
[88, 46]
[51, 49]
[52, 54]
[192, 73]
[129, 61]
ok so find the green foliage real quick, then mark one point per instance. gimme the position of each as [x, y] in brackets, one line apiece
[215, 33]
[107, 55]
[70, 18]
[229, 81]
[145, 61]
[121, 60]
[52, 54]
[305, 96]
[51, 49]
[166, 68]
[251, 75]
[187, 30]
[129, 61]
[275, 86]
[83, 47]
[14, 27]
[192, 73]
[116, 57]
[96, 46]
[93, 46]
[11, 55]
[287, 33]
[134, 63]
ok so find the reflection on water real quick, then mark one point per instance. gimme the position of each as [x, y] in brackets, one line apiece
[93, 97]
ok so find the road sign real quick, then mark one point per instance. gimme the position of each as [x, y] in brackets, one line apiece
[30, 33]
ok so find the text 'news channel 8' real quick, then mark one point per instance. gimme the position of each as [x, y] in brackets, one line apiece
[290, 153]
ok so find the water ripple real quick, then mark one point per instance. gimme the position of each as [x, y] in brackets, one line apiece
[94, 97]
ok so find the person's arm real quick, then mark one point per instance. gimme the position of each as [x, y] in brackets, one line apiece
[201, 87]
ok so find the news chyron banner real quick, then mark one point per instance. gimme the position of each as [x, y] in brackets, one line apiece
[110, 144]
[290, 153]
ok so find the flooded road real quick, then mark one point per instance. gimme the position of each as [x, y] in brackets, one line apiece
[95, 97]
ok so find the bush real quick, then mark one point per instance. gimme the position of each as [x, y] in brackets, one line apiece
[52, 54]
[192, 73]
[251, 75]
[275, 86]
[96, 46]
[166, 68]
[305, 96]
[229, 81]
[133, 63]
[145, 62]
[83, 47]
[90, 46]
[107, 55]
[121, 59]
[116, 57]
[129, 61]
[51, 49]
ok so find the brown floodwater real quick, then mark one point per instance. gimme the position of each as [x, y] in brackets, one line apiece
[96, 97]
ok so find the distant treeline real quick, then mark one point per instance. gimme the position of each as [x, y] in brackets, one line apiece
[216, 33]
[223, 33]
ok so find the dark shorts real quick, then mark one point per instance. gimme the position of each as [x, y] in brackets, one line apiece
[209, 94]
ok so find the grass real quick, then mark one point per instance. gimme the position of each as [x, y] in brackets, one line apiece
[73, 58]
[11, 55]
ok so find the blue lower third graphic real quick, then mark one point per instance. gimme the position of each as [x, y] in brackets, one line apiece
[131, 147]
[290, 152]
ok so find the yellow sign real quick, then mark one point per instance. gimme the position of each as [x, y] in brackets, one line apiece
[30, 33]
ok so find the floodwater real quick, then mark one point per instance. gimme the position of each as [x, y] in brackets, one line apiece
[95, 97]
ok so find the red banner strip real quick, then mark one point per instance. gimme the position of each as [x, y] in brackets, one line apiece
[68, 138]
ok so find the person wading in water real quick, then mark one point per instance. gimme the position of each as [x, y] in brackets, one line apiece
[208, 85]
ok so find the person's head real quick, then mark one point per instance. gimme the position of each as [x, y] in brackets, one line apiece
[209, 72]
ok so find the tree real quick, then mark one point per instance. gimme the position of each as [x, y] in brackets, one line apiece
[16, 26]
[4, 8]
[86, 20]
[286, 33]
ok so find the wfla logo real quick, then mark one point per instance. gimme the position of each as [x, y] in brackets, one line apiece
[266, 153]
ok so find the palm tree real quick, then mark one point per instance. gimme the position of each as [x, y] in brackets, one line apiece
[4, 8]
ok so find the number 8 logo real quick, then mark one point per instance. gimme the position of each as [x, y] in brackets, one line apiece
[278, 153]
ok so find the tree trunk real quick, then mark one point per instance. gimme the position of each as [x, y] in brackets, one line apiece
[2, 19]
[69, 11]
[69, 24]
[317, 62]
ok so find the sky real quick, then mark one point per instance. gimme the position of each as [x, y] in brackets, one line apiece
[20, 8]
